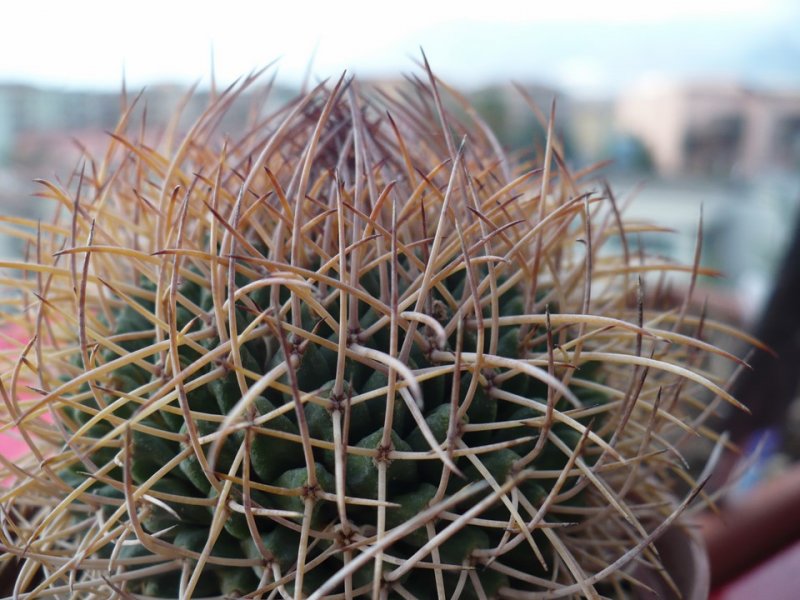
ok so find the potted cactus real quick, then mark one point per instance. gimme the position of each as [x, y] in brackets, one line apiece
[355, 351]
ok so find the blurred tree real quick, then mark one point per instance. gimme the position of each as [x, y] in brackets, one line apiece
[630, 154]
[517, 127]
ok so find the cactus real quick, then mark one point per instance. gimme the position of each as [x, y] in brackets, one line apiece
[355, 352]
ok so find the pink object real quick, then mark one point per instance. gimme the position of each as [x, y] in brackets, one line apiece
[777, 578]
[12, 446]
[754, 545]
[754, 528]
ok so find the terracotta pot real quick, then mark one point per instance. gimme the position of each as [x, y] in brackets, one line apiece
[684, 557]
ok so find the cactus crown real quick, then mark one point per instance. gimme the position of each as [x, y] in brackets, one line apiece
[354, 352]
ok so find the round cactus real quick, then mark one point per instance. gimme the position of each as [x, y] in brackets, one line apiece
[356, 351]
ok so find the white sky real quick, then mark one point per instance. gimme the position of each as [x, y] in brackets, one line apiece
[86, 43]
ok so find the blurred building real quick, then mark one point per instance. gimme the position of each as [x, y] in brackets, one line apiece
[25, 110]
[713, 129]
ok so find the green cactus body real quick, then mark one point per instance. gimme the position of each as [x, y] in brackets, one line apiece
[272, 312]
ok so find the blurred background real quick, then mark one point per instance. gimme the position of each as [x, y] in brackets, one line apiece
[696, 103]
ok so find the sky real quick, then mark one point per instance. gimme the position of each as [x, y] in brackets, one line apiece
[585, 46]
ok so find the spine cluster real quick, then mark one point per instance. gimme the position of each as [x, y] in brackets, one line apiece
[356, 351]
